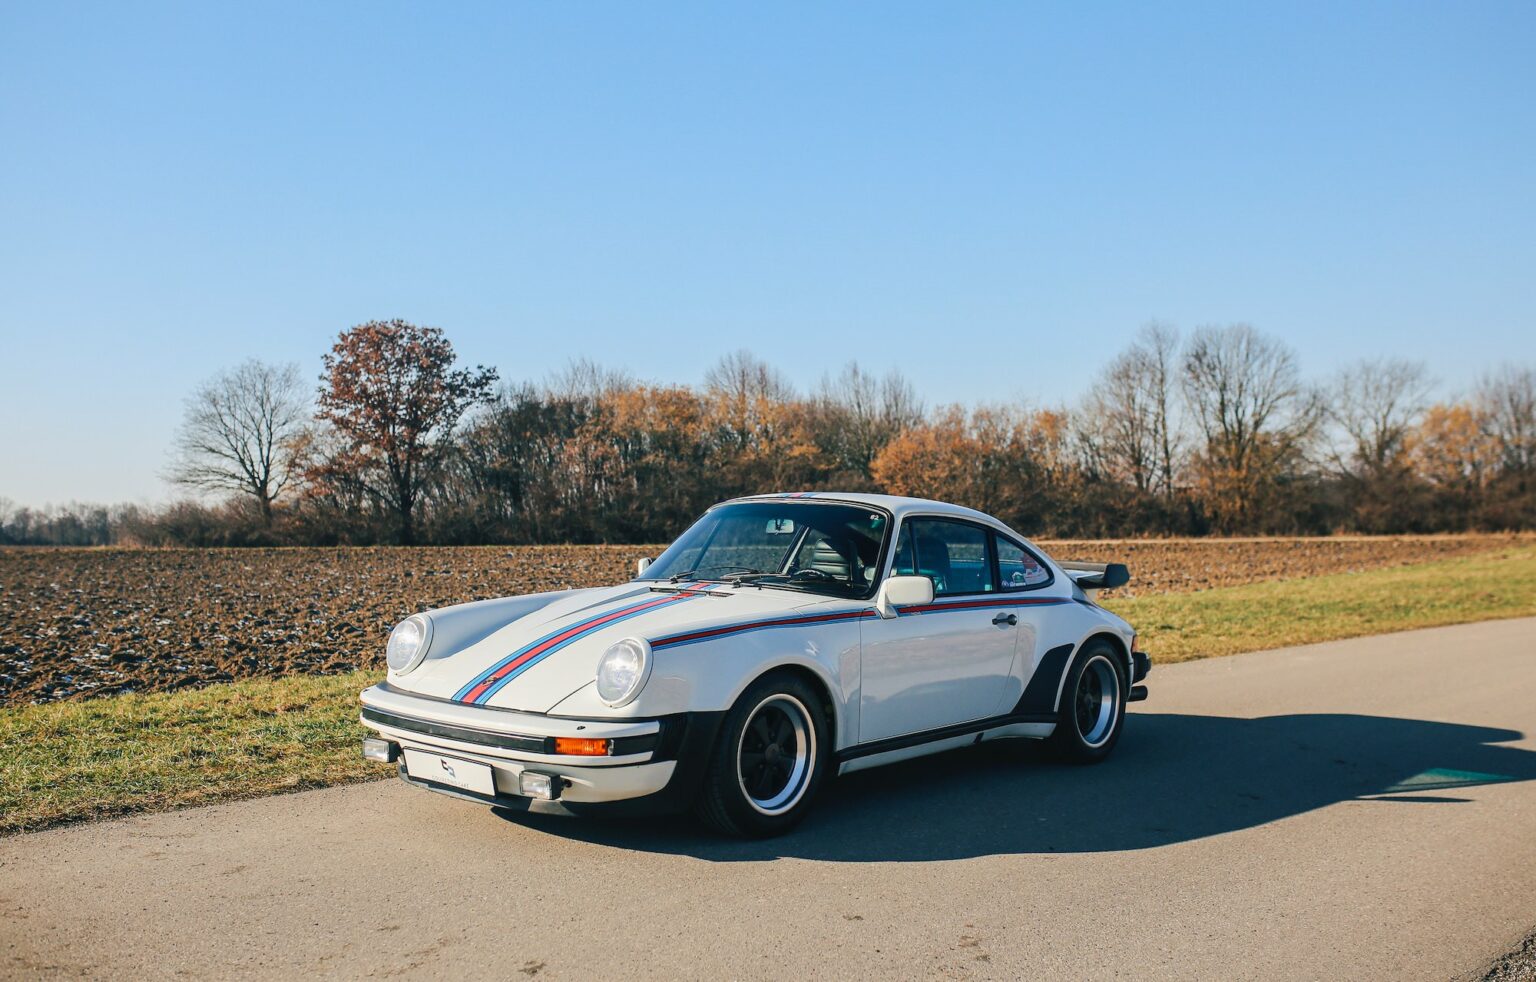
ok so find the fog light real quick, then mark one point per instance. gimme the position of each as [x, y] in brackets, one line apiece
[380, 750]
[532, 784]
[581, 747]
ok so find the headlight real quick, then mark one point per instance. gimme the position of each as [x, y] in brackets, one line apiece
[408, 643]
[623, 671]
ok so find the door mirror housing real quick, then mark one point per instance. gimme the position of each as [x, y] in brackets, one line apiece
[903, 591]
[642, 565]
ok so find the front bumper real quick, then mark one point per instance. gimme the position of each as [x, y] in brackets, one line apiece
[1141, 666]
[659, 761]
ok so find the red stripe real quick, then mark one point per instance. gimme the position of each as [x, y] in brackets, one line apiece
[993, 602]
[844, 615]
[510, 666]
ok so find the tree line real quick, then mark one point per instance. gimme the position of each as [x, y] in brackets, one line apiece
[1214, 433]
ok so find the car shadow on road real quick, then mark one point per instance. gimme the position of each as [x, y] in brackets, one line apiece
[1173, 778]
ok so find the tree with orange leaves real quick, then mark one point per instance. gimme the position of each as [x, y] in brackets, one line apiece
[1007, 461]
[390, 392]
[1451, 447]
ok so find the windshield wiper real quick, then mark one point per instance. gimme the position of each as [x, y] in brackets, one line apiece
[790, 581]
[685, 574]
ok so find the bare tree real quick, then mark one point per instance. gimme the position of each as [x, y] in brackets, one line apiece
[742, 376]
[8, 514]
[864, 412]
[238, 433]
[1159, 345]
[743, 392]
[1255, 417]
[1507, 400]
[1128, 415]
[1375, 403]
[585, 381]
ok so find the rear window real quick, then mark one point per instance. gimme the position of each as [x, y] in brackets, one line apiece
[1017, 568]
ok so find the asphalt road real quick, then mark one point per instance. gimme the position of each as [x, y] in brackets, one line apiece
[1359, 809]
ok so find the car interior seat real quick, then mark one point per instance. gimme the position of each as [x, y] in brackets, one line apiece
[822, 554]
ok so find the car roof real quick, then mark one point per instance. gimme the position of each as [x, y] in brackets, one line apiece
[897, 505]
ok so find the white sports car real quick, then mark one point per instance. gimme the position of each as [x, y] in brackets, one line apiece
[780, 640]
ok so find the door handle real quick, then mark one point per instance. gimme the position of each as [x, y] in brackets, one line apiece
[1009, 619]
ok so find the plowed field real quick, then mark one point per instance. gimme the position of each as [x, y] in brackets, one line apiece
[91, 622]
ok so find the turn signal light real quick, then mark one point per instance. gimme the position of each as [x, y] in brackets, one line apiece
[581, 747]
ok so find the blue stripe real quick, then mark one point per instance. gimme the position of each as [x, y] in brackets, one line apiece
[485, 696]
[798, 620]
[725, 632]
[496, 666]
[648, 604]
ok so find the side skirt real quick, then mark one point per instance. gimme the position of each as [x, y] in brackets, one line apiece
[907, 746]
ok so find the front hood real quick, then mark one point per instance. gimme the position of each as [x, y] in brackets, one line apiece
[536, 661]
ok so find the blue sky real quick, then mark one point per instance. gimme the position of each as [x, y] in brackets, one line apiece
[991, 197]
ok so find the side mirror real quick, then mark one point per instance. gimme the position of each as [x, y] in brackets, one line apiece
[643, 565]
[903, 591]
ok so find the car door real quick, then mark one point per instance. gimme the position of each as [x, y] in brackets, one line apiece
[1021, 573]
[945, 662]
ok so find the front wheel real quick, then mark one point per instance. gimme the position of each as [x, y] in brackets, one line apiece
[1092, 709]
[768, 761]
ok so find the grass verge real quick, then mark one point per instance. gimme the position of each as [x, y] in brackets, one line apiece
[1177, 627]
[70, 761]
[93, 758]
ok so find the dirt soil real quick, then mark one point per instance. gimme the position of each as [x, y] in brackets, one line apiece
[84, 622]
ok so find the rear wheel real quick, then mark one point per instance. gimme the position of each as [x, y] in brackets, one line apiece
[1092, 709]
[768, 760]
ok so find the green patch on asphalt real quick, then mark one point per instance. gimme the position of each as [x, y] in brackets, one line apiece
[93, 758]
[1439, 778]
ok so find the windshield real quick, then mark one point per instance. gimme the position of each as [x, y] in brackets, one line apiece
[821, 547]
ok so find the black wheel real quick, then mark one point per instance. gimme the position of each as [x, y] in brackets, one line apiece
[1092, 709]
[769, 759]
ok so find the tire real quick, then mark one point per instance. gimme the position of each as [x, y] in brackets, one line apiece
[1092, 711]
[769, 760]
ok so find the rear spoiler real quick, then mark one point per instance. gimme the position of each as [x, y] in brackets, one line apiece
[1098, 576]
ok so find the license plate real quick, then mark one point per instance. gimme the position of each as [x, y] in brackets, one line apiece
[455, 771]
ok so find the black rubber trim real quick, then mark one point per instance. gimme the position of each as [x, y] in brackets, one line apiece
[503, 800]
[689, 738]
[941, 733]
[624, 746]
[493, 709]
[505, 741]
[1141, 665]
[1039, 696]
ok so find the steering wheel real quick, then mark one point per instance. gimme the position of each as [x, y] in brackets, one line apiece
[812, 573]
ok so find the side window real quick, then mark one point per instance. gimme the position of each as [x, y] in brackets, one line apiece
[1017, 568]
[951, 554]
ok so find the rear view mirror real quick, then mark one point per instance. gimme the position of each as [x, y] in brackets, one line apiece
[643, 565]
[903, 591]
